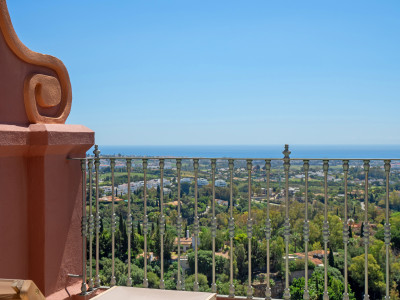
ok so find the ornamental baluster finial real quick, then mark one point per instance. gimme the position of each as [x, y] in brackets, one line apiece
[286, 158]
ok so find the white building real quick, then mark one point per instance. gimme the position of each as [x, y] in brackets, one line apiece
[202, 181]
[220, 183]
[221, 202]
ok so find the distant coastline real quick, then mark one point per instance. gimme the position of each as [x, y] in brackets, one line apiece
[257, 151]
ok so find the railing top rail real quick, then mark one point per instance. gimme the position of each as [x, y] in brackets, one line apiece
[233, 158]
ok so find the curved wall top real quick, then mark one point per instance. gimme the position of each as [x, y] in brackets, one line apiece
[34, 88]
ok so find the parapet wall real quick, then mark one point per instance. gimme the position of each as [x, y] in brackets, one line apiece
[41, 196]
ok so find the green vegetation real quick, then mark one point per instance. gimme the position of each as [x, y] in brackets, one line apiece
[316, 285]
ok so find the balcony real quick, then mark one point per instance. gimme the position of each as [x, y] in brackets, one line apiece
[265, 227]
[152, 227]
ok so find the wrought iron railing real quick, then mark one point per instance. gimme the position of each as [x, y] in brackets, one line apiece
[90, 167]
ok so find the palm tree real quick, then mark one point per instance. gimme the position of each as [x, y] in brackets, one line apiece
[296, 237]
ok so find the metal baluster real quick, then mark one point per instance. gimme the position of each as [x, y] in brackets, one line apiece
[366, 229]
[286, 165]
[196, 225]
[91, 224]
[345, 229]
[129, 221]
[145, 221]
[179, 223]
[84, 227]
[231, 229]
[268, 229]
[249, 229]
[387, 228]
[325, 230]
[213, 225]
[97, 165]
[162, 222]
[306, 231]
[113, 223]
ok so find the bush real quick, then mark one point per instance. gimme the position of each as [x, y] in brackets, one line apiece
[137, 275]
[203, 283]
[298, 265]
[154, 281]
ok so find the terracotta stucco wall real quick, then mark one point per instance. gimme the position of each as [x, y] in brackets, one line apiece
[40, 188]
[40, 210]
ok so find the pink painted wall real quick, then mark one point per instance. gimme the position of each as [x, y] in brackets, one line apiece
[40, 189]
[41, 202]
[13, 215]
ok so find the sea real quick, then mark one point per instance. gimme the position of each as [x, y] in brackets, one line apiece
[256, 151]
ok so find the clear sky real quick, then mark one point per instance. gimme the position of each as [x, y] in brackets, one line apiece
[225, 72]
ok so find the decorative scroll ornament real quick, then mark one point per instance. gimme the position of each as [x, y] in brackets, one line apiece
[196, 226]
[47, 94]
[287, 229]
[366, 233]
[268, 229]
[345, 233]
[98, 223]
[387, 234]
[84, 226]
[162, 224]
[145, 225]
[129, 223]
[231, 226]
[325, 231]
[213, 227]
[306, 231]
[249, 228]
[179, 225]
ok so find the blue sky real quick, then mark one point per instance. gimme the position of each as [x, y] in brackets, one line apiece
[225, 72]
